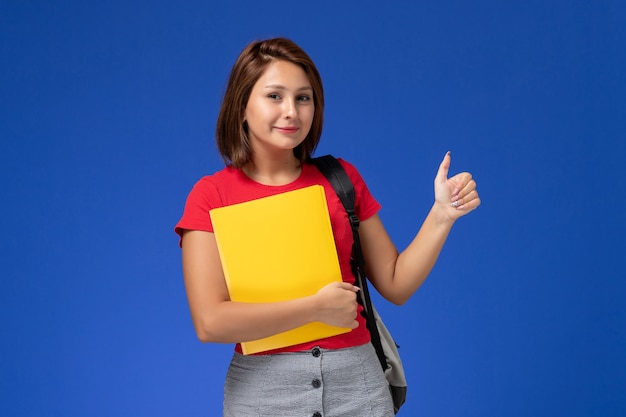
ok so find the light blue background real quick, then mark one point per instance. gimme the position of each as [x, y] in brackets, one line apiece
[107, 111]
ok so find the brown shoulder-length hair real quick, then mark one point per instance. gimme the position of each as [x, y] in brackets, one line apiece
[231, 132]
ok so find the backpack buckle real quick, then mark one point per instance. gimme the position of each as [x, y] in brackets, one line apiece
[354, 220]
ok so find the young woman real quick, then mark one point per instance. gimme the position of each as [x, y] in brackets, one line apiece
[269, 125]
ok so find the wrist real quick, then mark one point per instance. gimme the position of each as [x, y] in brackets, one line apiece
[440, 214]
[310, 308]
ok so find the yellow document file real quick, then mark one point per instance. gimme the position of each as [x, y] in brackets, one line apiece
[278, 248]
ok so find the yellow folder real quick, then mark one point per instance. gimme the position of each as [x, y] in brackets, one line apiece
[278, 248]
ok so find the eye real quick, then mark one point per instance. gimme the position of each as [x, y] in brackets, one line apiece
[304, 98]
[273, 96]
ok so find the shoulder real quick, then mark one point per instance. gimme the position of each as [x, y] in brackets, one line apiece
[211, 189]
[352, 171]
[220, 179]
[348, 166]
[365, 202]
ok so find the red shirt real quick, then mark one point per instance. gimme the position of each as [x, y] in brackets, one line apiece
[232, 186]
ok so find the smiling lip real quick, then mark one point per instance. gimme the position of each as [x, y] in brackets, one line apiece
[288, 129]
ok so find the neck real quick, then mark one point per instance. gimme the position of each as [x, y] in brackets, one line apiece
[273, 171]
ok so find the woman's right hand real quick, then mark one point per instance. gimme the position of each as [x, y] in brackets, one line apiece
[336, 305]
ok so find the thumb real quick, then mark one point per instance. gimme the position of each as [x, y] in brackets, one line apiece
[444, 167]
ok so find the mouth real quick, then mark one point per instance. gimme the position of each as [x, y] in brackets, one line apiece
[287, 129]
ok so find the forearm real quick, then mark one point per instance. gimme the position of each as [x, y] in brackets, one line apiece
[217, 319]
[234, 322]
[415, 263]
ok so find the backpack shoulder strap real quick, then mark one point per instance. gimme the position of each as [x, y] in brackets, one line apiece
[338, 178]
[340, 181]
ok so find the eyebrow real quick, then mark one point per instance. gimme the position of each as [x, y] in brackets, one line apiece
[280, 87]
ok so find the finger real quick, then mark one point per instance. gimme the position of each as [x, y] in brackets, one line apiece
[461, 179]
[444, 167]
[471, 205]
[348, 286]
[467, 186]
[460, 182]
[469, 202]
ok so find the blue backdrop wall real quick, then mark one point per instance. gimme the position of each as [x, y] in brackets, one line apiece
[107, 112]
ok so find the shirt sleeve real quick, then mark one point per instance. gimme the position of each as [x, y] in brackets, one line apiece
[196, 213]
[365, 204]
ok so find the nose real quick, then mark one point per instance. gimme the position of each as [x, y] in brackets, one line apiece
[290, 111]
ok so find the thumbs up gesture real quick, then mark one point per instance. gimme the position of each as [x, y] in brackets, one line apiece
[456, 196]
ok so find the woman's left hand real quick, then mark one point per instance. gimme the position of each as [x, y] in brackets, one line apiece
[455, 196]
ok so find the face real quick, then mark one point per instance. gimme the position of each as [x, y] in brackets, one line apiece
[280, 109]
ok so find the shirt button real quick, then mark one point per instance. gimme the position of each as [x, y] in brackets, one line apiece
[316, 414]
[316, 352]
[316, 383]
